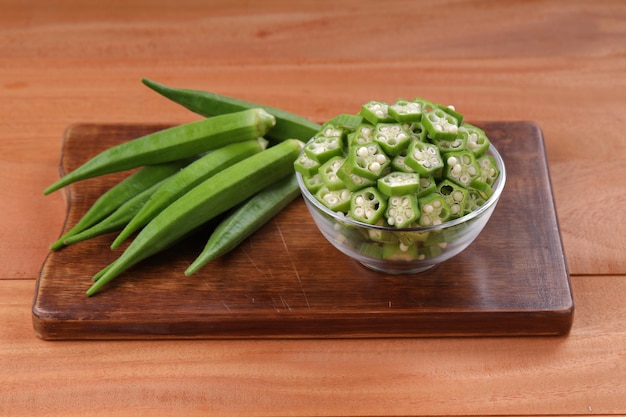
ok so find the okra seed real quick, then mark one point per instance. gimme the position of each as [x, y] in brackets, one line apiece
[455, 208]
[457, 196]
[428, 208]
[374, 167]
[452, 161]
[362, 151]
[436, 203]
[472, 170]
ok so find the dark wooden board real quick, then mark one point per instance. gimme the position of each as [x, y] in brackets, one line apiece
[287, 282]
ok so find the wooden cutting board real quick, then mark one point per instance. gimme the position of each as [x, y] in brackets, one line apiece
[287, 282]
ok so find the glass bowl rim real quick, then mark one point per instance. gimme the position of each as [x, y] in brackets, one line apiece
[497, 191]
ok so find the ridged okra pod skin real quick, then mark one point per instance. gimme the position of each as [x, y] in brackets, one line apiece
[187, 178]
[204, 202]
[121, 192]
[247, 219]
[116, 220]
[288, 125]
[174, 143]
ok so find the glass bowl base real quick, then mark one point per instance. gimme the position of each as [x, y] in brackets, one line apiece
[393, 271]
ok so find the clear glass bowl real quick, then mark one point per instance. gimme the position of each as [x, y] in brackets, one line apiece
[432, 244]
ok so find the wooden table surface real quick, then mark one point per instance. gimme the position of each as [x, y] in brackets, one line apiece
[560, 64]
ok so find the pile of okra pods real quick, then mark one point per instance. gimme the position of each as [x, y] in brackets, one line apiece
[403, 165]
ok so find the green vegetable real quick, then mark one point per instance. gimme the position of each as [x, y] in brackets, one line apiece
[399, 183]
[288, 125]
[214, 196]
[402, 210]
[116, 220]
[407, 165]
[367, 205]
[173, 144]
[424, 158]
[368, 161]
[392, 137]
[188, 178]
[246, 220]
[119, 194]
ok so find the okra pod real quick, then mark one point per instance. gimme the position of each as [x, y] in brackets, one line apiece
[246, 220]
[212, 197]
[172, 144]
[119, 194]
[288, 125]
[186, 179]
[116, 220]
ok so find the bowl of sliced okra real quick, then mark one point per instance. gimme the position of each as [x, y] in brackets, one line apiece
[400, 187]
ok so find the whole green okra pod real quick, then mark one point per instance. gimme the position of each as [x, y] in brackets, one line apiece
[247, 219]
[172, 144]
[288, 125]
[204, 202]
[119, 194]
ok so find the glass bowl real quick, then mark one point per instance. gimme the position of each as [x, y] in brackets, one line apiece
[426, 246]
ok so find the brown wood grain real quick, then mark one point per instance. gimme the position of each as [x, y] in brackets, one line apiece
[287, 281]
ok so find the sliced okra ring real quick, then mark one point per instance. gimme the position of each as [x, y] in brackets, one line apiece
[371, 250]
[474, 200]
[353, 181]
[482, 188]
[477, 140]
[402, 210]
[368, 161]
[461, 168]
[458, 143]
[399, 183]
[367, 205]
[379, 235]
[400, 252]
[346, 122]
[393, 138]
[428, 185]
[328, 172]
[406, 111]
[313, 183]
[424, 158]
[489, 171]
[440, 124]
[418, 131]
[456, 197]
[336, 200]
[452, 112]
[306, 165]
[376, 112]
[433, 210]
[412, 237]
[363, 134]
[322, 148]
[428, 252]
